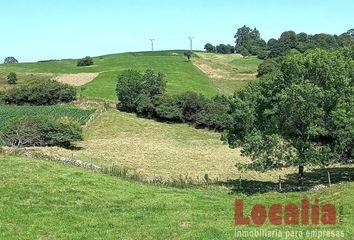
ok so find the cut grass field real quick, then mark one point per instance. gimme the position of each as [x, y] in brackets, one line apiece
[9, 113]
[228, 72]
[159, 150]
[153, 149]
[47, 200]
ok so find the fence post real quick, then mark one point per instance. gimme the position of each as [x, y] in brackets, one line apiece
[329, 179]
[280, 184]
[240, 181]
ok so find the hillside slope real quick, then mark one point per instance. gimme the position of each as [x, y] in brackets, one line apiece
[46, 200]
[227, 72]
[181, 75]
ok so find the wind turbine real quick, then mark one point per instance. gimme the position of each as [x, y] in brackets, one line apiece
[191, 42]
[152, 43]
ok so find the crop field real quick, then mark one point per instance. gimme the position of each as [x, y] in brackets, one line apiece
[10, 112]
[46, 200]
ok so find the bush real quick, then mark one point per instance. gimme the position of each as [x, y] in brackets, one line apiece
[188, 54]
[86, 61]
[262, 54]
[267, 66]
[32, 131]
[144, 95]
[190, 104]
[139, 93]
[169, 109]
[46, 92]
[9, 60]
[215, 114]
[12, 78]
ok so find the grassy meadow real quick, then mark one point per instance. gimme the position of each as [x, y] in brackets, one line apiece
[47, 200]
[227, 72]
[180, 74]
[209, 74]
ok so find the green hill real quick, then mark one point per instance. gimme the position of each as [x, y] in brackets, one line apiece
[181, 75]
[209, 74]
[46, 200]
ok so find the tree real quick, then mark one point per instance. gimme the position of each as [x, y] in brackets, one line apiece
[246, 38]
[32, 131]
[140, 92]
[210, 48]
[266, 67]
[40, 92]
[191, 104]
[225, 49]
[12, 78]
[188, 54]
[215, 114]
[301, 115]
[86, 61]
[285, 43]
[9, 60]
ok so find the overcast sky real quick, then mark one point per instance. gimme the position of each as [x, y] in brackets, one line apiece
[51, 29]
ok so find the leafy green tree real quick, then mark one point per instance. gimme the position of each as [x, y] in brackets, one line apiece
[225, 49]
[267, 66]
[191, 104]
[129, 86]
[249, 39]
[215, 114]
[285, 43]
[188, 54]
[12, 78]
[40, 92]
[296, 116]
[9, 60]
[210, 48]
[169, 109]
[33, 131]
[139, 92]
[86, 61]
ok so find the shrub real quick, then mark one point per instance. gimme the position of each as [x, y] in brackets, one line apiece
[169, 109]
[86, 61]
[262, 54]
[267, 66]
[191, 104]
[139, 93]
[188, 54]
[9, 60]
[12, 78]
[215, 114]
[46, 92]
[31, 131]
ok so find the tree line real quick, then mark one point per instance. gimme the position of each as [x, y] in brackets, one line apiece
[299, 114]
[248, 42]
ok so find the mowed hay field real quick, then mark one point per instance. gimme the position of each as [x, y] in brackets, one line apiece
[47, 200]
[153, 149]
[227, 72]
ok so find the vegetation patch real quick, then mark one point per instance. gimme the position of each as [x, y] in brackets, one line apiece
[228, 72]
[58, 200]
[9, 113]
[77, 79]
